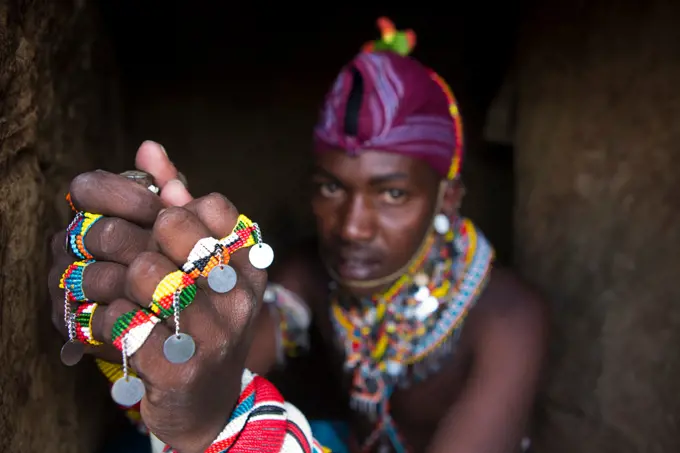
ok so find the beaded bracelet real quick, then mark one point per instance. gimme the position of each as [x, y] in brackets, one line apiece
[263, 422]
[293, 316]
[72, 279]
[76, 231]
[83, 323]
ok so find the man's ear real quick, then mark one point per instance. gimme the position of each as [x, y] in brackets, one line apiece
[452, 197]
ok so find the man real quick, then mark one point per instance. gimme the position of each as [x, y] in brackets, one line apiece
[438, 350]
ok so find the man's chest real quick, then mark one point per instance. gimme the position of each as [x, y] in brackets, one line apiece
[416, 406]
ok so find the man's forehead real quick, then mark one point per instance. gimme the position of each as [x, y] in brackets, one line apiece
[371, 165]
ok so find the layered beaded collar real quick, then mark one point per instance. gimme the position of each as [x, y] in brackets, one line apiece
[403, 335]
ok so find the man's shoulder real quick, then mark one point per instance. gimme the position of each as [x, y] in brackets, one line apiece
[510, 308]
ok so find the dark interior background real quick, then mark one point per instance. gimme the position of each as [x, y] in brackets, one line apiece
[233, 93]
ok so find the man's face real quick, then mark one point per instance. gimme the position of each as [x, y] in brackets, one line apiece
[372, 211]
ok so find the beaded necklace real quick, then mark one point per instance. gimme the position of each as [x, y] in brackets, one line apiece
[403, 335]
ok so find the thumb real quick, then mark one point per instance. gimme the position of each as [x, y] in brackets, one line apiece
[174, 193]
[152, 158]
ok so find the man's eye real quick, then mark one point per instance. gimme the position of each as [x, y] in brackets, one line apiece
[394, 195]
[329, 189]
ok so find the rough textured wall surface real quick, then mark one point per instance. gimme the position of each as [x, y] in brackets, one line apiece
[597, 219]
[57, 117]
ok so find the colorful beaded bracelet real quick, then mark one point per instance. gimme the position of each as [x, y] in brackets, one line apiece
[72, 279]
[76, 231]
[83, 323]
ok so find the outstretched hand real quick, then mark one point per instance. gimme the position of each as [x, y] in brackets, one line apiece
[141, 239]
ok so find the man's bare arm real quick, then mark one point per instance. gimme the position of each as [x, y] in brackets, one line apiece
[509, 346]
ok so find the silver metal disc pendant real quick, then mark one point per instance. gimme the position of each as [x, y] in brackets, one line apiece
[127, 391]
[222, 278]
[72, 352]
[179, 348]
[261, 255]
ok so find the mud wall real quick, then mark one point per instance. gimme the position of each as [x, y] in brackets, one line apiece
[58, 116]
[597, 219]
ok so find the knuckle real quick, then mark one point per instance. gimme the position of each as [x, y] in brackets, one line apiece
[57, 243]
[111, 314]
[105, 277]
[112, 235]
[57, 317]
[83, 184]
[216, 199]
[172, 218]
[146, 263]
[243, 307]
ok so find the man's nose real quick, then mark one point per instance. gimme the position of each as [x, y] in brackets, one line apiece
[359, 222]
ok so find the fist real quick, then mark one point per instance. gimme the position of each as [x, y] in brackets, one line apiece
[133, 252]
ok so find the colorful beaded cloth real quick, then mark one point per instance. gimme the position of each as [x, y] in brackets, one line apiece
[262, 421]
[404, 335]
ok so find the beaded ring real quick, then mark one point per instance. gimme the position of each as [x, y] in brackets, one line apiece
[72, 279]
[131, 330]
[83, 323]
[175, 283]
[210, 257]
[76, 231]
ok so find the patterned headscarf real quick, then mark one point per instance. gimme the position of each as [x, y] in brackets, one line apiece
[405, 107]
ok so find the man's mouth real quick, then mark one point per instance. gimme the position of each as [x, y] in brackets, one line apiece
[354, 268]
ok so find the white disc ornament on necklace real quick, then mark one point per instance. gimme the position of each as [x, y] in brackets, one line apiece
[426, 308]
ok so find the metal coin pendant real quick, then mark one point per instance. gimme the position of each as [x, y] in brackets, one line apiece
[72, 352]
[179, 348]
[222, 278]
[261, 255]
[127, 391]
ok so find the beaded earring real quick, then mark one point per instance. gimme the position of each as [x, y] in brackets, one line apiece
[442, 224]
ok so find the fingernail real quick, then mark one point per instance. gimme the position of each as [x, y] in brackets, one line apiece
[182, 179]
[176, 181]
[151, 142]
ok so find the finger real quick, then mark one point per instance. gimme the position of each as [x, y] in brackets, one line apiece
[176, 231]
[113, 195]
[117, 240]
[153, 159]
[101, 281]
[175, 193]
[106, 318]
[219, 215]
[198, 319]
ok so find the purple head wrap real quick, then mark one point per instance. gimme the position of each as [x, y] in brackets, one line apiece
[404, 110]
